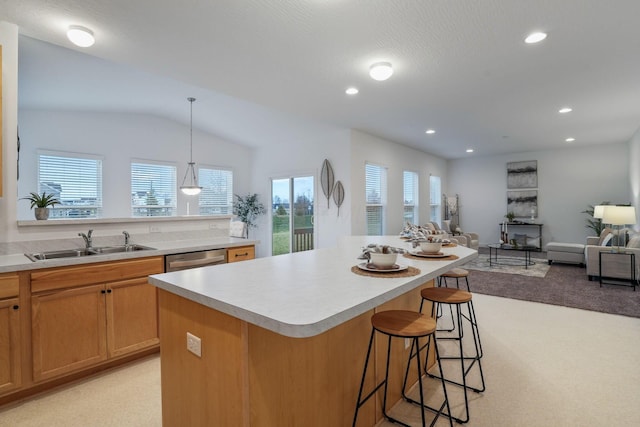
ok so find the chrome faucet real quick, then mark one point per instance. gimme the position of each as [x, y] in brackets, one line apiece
[87, 239]
[126, 238]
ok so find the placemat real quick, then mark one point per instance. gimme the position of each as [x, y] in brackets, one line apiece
[446, 258]
[411, 271]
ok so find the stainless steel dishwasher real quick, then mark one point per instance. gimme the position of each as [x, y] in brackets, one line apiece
[194, 259]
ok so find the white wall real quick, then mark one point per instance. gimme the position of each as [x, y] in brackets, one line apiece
[568, 181]
[119, 138]
[9, 42]
[634, 174]
[396, 158]
[305, 157]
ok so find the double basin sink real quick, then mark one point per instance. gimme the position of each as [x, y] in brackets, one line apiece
[98, 250]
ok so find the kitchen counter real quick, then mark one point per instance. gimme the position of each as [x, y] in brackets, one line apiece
[19, 262]
[282, 339]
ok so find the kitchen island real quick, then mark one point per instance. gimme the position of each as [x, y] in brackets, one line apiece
[283, 338]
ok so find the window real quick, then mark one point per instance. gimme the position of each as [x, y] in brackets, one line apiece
[292, 210]
[410, 181]
[75, 180]
[376, 198]
[153, 189]
[216, 197]
[435, 197]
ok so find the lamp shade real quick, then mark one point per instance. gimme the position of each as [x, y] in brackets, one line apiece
[619, 215]
[598, 211]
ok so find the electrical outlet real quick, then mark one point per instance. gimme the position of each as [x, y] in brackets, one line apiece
[154, 229]
[194, 344]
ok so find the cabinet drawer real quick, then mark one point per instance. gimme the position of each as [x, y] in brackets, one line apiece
[9, 285]
[241, 254]
[66, 277]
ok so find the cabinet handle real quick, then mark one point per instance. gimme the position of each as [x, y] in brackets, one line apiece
[108, 291]
[103, 291]
[15, 307]
[244, 254]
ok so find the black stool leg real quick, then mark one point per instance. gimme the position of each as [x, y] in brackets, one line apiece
[360, 402]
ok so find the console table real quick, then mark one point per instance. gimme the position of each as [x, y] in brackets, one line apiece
[525, 227]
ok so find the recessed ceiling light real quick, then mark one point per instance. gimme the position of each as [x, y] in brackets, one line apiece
[535, 37]
[80, 36]
[381, 71]
[564, 110]
[570, 139]
[351, 91]
[430, 131]
[469, 150]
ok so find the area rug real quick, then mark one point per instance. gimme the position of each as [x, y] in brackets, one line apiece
[564, 284]
[509, 265]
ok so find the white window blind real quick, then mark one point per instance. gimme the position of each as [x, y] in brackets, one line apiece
[435, 197]
[376, 198]
[216, 197]
[410, 181]
[75, 180]
[153, 189]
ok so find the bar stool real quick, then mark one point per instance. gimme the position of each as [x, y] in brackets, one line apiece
[403, 324]
[457, 298]
[454, 273]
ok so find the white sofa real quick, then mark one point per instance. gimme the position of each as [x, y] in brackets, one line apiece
[613, 266]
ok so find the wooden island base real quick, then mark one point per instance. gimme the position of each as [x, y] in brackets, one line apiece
[250, 376]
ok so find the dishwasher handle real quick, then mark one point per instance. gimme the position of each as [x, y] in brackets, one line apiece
[196, 262]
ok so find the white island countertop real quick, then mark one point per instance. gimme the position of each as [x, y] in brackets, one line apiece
[306, 293]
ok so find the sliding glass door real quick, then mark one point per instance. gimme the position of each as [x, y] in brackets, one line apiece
[292, 207]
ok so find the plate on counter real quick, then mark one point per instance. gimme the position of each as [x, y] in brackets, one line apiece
[429, 255]
[370, 267]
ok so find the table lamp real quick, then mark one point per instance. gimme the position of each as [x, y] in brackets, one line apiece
[619, 215]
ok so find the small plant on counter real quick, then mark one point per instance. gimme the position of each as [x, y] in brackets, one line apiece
[41, 203]
[247, 209]
[510, 216]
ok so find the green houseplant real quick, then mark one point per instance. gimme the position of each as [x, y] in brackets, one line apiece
[247, 209]
[510, 216]
[594, 223]
[41, 204]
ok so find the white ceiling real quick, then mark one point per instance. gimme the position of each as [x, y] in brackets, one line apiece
[270, 70]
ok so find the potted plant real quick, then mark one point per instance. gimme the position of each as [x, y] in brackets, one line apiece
[41, 203]
[510, 216]
[248, 209]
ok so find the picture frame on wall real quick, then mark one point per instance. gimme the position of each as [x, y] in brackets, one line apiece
[522, 174]
[523, 203]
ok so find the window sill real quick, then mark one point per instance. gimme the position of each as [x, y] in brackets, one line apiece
[74, 222]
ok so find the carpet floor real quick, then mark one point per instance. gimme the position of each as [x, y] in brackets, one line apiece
[563, 284]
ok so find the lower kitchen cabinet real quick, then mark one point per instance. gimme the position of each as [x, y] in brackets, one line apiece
[86, 324]
[10, 349]
[241, 253]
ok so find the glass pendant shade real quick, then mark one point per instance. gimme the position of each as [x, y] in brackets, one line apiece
[190, 187]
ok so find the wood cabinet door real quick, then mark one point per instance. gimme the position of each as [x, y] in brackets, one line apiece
[10, 373]
[68, 330]
[241, 254]
[132, 316]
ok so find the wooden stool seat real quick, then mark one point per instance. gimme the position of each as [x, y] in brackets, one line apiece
[456, 273]
[446, 295]
[403, 323]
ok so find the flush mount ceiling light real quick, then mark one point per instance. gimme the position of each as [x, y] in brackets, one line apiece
[381, 71]
[430, 131]
[351, 91]
[469, 150]
[570, 139]
[536, 37]
[192, 188]
[80, 36]
[565, 110]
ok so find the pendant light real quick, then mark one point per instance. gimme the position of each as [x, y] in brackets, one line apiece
[192, 189]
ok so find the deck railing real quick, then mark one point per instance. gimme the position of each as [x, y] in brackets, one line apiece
[302, 239]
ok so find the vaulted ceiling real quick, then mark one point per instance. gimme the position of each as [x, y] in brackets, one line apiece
[267, 70]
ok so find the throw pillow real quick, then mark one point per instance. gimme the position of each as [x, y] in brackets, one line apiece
[606, 234]
[634, 242]
[435, 225]
[429, 226]
[521, 239]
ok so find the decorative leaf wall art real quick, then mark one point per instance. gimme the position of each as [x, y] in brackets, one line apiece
[338, 195]
[327, 180]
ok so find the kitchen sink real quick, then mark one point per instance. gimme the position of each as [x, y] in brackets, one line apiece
[72, 253]
[117, 249]
[67, 253]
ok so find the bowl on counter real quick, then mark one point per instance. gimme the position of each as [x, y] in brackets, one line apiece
[430, 247]
[381, 260]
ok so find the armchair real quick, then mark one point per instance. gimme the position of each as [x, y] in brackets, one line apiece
[465, 238]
